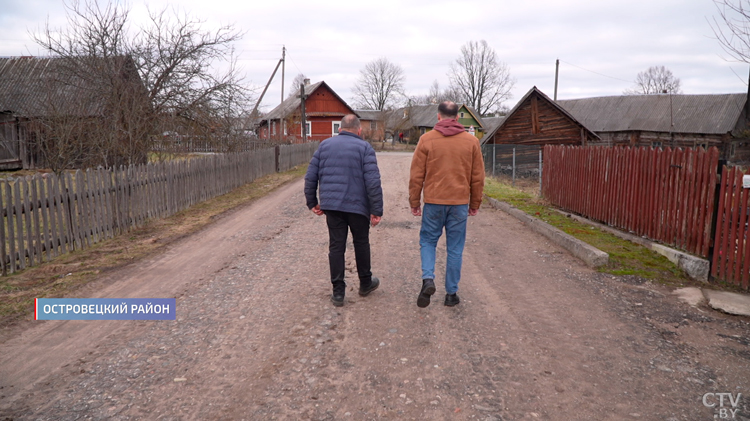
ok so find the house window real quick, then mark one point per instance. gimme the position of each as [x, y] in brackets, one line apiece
[273, 128]
[284, 126]
[335, 126]
[309, 129]
[733, 149]
[373, 125]
[656, 144]
[462, 115]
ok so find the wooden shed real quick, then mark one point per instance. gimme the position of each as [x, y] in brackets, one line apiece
[537, 120]
[323, 111]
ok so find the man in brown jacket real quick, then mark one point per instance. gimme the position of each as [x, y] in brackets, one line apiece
[447, 166]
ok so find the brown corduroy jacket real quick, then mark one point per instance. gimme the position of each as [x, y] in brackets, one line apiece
[449, 169]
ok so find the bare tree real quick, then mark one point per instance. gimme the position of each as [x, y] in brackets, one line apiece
[159, 76]
[379, 86]
[482, 81]
[294, 88]
[655, 80]
[734, 34]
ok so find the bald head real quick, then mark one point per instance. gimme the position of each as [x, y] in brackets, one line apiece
[448, 109]
[350, 123]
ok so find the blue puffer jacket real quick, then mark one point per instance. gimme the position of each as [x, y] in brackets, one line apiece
[346, 169]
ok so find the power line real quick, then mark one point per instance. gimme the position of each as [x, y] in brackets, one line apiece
[597, 73]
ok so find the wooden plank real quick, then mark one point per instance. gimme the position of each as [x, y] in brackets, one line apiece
[65, 237]
[18, 204]
[713, 164]
[733, 199]
[741, 236]
[3, 246]
[724, 219]
[43, 229]
[745, 282]
[701, 198]
[53, 208]
[10, 211]
[28, 221]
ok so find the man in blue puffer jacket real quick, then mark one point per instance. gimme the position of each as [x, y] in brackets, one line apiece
[346, 170]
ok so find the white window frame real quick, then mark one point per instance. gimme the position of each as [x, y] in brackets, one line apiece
[309, 128]
[333, 127]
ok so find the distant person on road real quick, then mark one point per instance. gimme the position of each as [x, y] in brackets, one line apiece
[345, 170]
[401, 137]
[447, 166]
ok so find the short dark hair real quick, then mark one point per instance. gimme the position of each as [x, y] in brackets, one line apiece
[448, 109]
[350, 121]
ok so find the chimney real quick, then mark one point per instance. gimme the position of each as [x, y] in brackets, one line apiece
[307, 81]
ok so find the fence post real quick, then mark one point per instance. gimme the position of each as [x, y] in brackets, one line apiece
[540, 171]
[513, 182]
[494, 154]
[277, 151]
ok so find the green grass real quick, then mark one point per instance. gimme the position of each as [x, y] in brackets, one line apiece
[625, 257]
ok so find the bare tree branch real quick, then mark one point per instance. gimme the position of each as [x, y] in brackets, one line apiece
[655, 80]
[379, 85]
[482, 81]
[734, 34]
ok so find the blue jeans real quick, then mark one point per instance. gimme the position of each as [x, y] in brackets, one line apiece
[434, 218]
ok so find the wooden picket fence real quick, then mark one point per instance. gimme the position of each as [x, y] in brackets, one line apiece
[45, 216]
[666, 195]
[731, 257]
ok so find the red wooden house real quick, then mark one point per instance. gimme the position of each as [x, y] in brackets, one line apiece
[323, 111]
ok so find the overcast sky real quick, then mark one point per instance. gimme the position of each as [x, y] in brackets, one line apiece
[602, 45]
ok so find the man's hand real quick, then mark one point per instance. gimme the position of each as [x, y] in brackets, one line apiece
[473, 212]
[316, 210]
[374, 220]
[416, 211]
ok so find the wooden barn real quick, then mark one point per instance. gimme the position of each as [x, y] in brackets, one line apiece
[41, 97]
[535, 121]
[323, 111]
[684, 121]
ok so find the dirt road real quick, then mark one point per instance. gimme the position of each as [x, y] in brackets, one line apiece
[537, 334]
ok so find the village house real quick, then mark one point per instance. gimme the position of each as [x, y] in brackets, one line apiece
[373, 124]
[323, 112]
[416, 120]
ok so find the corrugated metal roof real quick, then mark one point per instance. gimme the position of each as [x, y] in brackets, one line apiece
[491, 125]
[414, 116]
[369, 114]
[36, 86]
[708, 114]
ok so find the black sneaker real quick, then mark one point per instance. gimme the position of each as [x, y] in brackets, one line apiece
[451, 300]
[428, 288]
[374, 284]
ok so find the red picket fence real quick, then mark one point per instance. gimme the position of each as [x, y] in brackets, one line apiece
[666, 195]
[731, 259]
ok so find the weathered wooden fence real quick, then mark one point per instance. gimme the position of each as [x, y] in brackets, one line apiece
[45, 216]
[666, 195]
[731, 257]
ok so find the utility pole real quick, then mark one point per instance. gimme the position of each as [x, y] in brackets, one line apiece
[557, 70]
[302, 98]
[283, 65]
